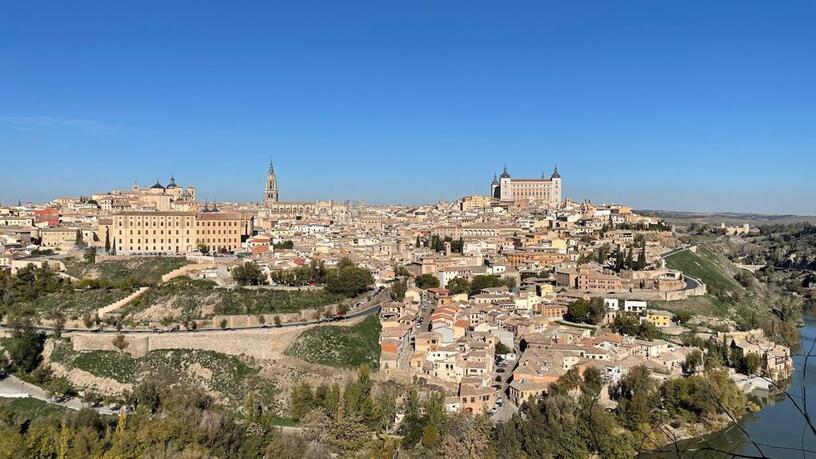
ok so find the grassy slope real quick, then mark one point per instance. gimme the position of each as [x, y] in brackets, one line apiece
[142, 271]
[725, 298]
[16, 410]
[231, 377]
[714, 269]
[346, 347]
[74, 303]
[188, 296]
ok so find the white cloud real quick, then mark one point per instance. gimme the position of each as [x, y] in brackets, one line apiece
[42, 123]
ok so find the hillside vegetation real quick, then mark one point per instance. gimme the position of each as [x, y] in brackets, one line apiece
[711, 267]
[229, 379]
[184, 297]
[144, 271]
[346, 347]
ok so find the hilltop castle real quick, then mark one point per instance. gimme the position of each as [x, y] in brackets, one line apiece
[542, 190]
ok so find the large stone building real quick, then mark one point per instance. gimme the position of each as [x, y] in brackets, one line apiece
[157, 197]
[176, 232]
[539, 190]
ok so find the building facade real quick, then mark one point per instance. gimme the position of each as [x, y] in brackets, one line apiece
[540, 190]
[152, 233]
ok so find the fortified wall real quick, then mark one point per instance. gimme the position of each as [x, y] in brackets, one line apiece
[262, 344]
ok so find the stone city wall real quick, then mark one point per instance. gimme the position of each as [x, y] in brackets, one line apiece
[244, 320]
[262, 343]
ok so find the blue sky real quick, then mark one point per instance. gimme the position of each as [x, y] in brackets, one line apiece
[679, 105]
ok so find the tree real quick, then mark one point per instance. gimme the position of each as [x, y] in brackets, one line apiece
[458, 285]
[223, 324]
[619, 263]
[416, 244]
[578, 311]
[59, 387]
[629, 259]
[119, 342]
[482, 282]
[641, 261]
[59, 324]
[25, 345]
[261, 319]
[501, 348]
[5, 366]
[603, 252]
[301, 401]
[425, 281]
[284, 245]
[113, 248]
[627, 323]
[277, 321]
[591, 312]
[398, 290]
[78, 240]
[637, 397]
[348, 279]
[694, 361]
[90, 255]
[248, 273]
[750, 364]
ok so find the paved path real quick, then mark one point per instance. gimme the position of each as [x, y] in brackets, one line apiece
[691, 282]
[673, 251]
[508, 409]
[13, 387]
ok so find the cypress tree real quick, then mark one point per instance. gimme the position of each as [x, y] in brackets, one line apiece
[641, 261]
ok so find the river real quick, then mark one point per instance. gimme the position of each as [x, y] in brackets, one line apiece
[779, 429]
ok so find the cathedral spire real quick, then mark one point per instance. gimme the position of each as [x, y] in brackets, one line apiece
[271, 190]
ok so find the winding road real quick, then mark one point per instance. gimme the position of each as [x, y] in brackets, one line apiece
[369, 307]
[14, 387]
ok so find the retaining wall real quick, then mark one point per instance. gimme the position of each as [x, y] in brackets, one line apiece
[262, 343]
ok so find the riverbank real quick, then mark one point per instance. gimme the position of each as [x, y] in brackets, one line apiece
[778, 429]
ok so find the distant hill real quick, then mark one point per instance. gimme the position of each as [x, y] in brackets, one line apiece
[731, 218]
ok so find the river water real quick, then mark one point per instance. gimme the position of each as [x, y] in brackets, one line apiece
[779, 429]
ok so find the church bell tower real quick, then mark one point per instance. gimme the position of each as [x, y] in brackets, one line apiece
[271, 193]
